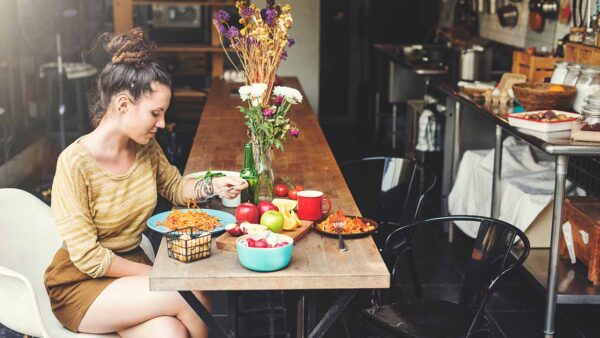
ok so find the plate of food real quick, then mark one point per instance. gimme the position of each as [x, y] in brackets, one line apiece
[205, 219]
[353, 226]
[543, 120]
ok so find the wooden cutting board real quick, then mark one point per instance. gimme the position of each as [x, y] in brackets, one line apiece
[227, 242]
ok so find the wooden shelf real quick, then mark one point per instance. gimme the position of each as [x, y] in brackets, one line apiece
[188, 93]
[189, 48]
[184, 3]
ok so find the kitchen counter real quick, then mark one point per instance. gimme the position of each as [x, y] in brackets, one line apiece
[415, 58]
[558, 143]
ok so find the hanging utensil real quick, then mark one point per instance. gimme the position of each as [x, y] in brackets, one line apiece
[549, 9]
[536, 19]
[508, 15]
[564, 15]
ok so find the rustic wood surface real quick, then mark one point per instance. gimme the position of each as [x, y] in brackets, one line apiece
[227, 242]
[316, 262]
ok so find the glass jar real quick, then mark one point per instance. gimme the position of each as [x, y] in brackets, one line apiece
[560, 72]
[573, 71]
[590, 118]
[588, 83]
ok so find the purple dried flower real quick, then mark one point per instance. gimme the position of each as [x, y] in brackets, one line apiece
[291, 42]
[271, 15]
[220, 26]
[221, 15]
[268, 112]
[295, 132]
[232, 32]
[284, 55]
[278, 100]
[247, 12]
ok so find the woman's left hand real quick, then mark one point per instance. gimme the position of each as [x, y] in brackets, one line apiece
[228, 186]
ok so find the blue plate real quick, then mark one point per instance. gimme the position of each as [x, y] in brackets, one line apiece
[224, 218]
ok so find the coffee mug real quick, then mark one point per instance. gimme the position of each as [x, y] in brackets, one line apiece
[310, 205]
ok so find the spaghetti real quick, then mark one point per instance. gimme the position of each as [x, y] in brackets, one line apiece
[192, 217]
[352, 225]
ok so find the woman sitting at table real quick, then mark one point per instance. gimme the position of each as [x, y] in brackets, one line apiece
[104, 190]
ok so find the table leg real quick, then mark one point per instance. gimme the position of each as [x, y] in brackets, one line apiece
[559, 196]
[300, 317]
[377, 112]
[455, 157]
[394, 125]
[333, 313]
[311, 310]
[232, 309]
[497, 173]
[203, 313]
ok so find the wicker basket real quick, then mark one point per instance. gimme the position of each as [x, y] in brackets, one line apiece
[536, 96]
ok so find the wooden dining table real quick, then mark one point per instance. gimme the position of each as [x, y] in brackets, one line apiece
[317, 263]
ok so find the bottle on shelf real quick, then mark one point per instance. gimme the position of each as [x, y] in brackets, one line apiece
[250, 174]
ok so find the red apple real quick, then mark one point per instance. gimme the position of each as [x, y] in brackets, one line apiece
[246, 212]
[234, 229]
[265, 206]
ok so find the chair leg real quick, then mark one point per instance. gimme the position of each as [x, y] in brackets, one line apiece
[412, 266]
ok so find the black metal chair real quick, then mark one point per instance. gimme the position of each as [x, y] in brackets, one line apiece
[388, 189]
[488, 262]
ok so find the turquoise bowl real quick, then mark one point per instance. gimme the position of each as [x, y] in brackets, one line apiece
[264, 259]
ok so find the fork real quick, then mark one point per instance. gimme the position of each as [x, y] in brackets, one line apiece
[338, 226]
[209, 197]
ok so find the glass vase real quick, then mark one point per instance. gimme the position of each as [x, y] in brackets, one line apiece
[263, 156]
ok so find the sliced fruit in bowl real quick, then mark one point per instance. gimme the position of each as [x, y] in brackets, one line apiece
[264, 252]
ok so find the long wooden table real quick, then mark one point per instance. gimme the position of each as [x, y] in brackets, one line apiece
[317, 263]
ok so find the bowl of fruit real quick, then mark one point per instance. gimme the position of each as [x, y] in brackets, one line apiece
[265, 251]
[542, 96]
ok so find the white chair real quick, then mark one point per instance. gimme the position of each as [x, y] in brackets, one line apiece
[28, 241]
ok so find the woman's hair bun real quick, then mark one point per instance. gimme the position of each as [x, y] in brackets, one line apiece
[134, 48]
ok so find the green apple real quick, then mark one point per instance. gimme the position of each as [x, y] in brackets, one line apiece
[273, 220]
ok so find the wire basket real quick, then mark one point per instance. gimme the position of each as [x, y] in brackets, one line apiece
[188, 244]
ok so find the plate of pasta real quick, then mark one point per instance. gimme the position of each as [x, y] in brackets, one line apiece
[353, 226]
[206, 219]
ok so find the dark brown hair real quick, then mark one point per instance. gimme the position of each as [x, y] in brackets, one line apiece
[132, 69]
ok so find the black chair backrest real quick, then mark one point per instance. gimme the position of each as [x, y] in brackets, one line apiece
[388, 188]
[489, 260]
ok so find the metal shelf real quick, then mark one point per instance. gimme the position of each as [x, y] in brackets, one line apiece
[573, 286]
[184, 3]
[188, 93]
[189, 48]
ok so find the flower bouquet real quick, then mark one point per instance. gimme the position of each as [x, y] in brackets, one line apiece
[260, 44]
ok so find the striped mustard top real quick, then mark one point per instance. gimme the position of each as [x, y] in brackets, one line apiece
[98, 213]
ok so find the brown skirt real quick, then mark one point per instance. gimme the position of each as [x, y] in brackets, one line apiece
[72, 292]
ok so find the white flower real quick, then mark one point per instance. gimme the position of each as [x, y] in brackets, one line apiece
[253, 92]
[245, 92]
[289, 94]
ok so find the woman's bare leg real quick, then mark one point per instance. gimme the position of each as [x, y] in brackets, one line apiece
[128, 302]
[157, 327]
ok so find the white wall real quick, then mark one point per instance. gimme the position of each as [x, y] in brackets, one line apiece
[303, 60]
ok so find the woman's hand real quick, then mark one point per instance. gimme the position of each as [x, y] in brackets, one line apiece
[221, 186]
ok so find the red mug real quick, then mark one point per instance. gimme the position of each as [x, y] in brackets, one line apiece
[310, 205]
